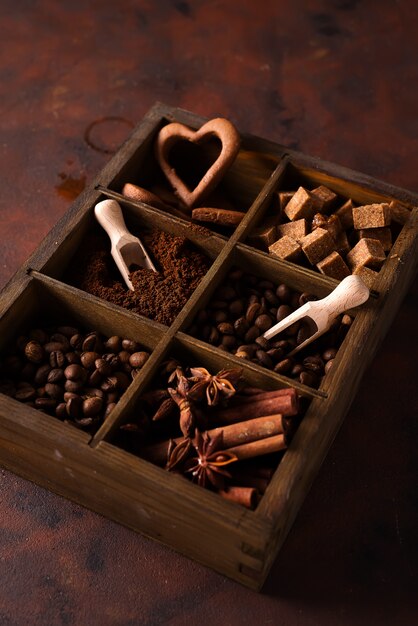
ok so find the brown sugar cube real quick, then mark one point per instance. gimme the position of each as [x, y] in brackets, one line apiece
[332, 224]
[263, 236]
[371, 216]
[325, 196]
[333, 265]
[286, 249]
[300, 205]
[367, 275]
[317, 245]
[399, 212]
[366, 252]
[383, 235]
[345, 214]
[297, 230]
[283, 198]
[342, 245]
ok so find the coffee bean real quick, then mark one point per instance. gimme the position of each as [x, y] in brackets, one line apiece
[216, 305]
[241, 326]
[45, 404]
[74, 407]
[92, 343]
[72, 357]
[271, 297]
[34, 352]
[53, 346]
[41, 375]
[226, 328]
[25, 392]
[67, 331]
[124, 356]
[123, 381]
[130, 346]
[219, 316]
[284, 366]
[7, 387]
[92, 392]
[292, 329]
[306, 297]
[73, 385]
[264, 359]
[56, 358]
[56, 375]
[92, 406]
[75, 372]
[276, 354]
[62, 339]
[95, 378]
[88, 359]
[102, 367]
[308, 378]
[263, 322]
[283, 311]
[61, 411]
[202, 317]
[38, 335]
[76, 341]
[296, 370]
[265, 284]
[252, 334]
[252, 312]
[229, 342]
[138, 359]
[226, 293]
[40, 392]
[213, 337]
[54, 391]
[109, 384]
[235, 274]
[262, 342]
[283, 292]
[113, 360]
[68, 395]
[304, 333]
[329, 354]
[248, 348]
[114, 344]
[236, 308]
[243, 354]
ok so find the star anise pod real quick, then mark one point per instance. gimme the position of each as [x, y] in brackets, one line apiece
[181, 398]
[208, 465]
[221, 386]
[178, 453]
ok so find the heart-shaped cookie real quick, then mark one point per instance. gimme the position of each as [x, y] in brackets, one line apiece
[172, 133]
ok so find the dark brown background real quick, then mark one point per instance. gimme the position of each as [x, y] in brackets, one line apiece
[333, 78]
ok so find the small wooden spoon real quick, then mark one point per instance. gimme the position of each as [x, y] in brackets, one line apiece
[320, 314]
[126, 249]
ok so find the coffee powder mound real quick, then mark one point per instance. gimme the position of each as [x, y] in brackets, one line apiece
[158, 295]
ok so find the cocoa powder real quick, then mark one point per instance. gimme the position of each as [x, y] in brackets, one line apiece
[158, 295]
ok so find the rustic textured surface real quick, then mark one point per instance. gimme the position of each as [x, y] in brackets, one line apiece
[336, 79]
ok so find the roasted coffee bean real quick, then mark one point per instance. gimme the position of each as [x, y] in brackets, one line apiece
[56, 375]
[235, 274]
[284, 293]
[76, 341]
[62, 339]
[276, 354]
[306, 297]
[61, 411]
[219, 316]
[56, 358]
[124, 356]
[241, 326]
[263, 322]
[45, 404]
[92, 343]
[112, 359]
[229, 342]
[213, 337]
[296, 370]
[38, 335]
[226, 293]
[34, 352]
[138, 359]
[292, 330]
[67, 331]
[95, 379]
[283, 311]
[284, 366]
[271, 297]
[252, 312]
[218, 305]
[28, 372]
[130, 345]
[250, 348]
[74, 407]
[202, 317]
[226, 328]
[91, 392]
[88, 359]
[304, 333]
[68, 395]
[264, 359]
[40, 392]
[329, 365]
[25, 392]
[112, 397]
[75, 372]
[53, 346]
[243, 354]
[265, 284]
[262, 342]
[41, 375]
[312, 366]
[252, 333]
[54, 391]
[309, 378]
[92, 406]
[109, 384]
[114, 344]
[123, 381]
[73, 385]
[72, 357]
[109, 409]
[329, 354]
[102, 367]
[7, 387]
[236, 308]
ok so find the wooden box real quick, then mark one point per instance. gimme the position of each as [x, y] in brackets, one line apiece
[90, 470]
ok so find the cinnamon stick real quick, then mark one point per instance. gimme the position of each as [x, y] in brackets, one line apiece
[233, 435]
[223, 217]
[246, 496]
[258, 448]
[262, 404]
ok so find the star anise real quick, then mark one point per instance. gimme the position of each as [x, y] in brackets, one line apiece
[178, 453]
[208, 465]
[181, 398]
[221, 386]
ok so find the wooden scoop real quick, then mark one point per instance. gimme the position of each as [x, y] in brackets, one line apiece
[126, 249]
[320, 314]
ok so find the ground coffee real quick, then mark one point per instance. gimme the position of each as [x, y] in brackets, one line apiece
[158, 295]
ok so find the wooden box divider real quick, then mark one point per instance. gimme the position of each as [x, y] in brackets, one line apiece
[92, 469]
